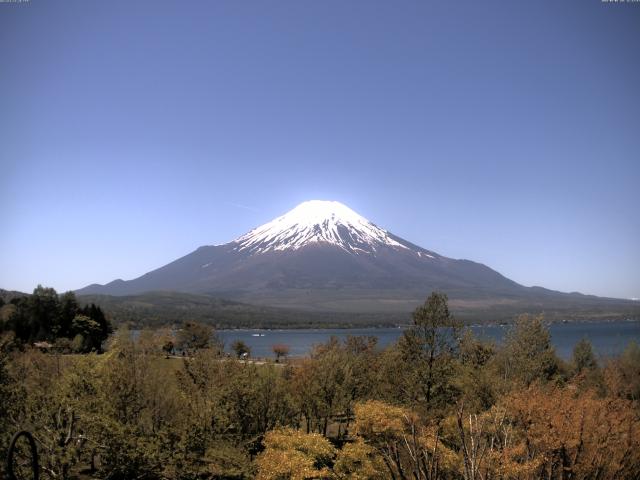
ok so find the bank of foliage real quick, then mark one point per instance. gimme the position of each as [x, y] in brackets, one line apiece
[54, 321]
[156, 309]
[439, 404]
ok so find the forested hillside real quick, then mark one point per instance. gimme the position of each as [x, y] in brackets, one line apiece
[54, 321]
[156, 309]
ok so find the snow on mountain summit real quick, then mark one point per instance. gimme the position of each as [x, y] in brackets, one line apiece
[318, 221]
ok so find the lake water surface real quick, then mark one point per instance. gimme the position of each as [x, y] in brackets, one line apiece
[607, 338]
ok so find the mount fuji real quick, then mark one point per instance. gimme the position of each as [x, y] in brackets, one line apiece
[323, 256]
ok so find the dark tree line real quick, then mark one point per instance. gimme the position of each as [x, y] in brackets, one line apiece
[59, 320]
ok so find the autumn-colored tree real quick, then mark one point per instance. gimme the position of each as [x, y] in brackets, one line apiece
[280, 350]
[305, 395]
[408, 447]
[292, 454]
[165, 341]
[359, 461]
[571, 436]
[622, 374]
[490, 446]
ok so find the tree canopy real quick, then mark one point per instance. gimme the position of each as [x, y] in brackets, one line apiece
[58, 319]
[350, 410]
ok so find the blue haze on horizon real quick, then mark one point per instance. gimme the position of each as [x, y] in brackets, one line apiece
[132, 132]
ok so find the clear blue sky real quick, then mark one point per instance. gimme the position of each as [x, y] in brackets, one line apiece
[132, 132]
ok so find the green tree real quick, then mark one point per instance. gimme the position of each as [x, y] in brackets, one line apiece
[583, 357]
[240, 348]
[17, 319]
[361, 365]
[429, 349]
[48, 409]
[528, 354]
[6, 389]
[195, 336]
[475, 352]
[87, 329]
[476, 377]
[46, 316]
[95, 313]
[329, 374]
[6, 314]
[630, 368]
[43, 314]
[68, 310]
[77, 345]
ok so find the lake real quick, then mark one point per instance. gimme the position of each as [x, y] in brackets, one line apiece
[607, 338]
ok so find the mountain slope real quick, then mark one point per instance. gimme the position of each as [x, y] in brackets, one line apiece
[324, 256]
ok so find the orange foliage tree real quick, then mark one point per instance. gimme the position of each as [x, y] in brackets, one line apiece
[409, 448]
[294, 455]
[572, 436]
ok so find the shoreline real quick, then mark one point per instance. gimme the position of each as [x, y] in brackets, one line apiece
[408, 325]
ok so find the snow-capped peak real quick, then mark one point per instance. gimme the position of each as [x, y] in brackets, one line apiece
[317, 221]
